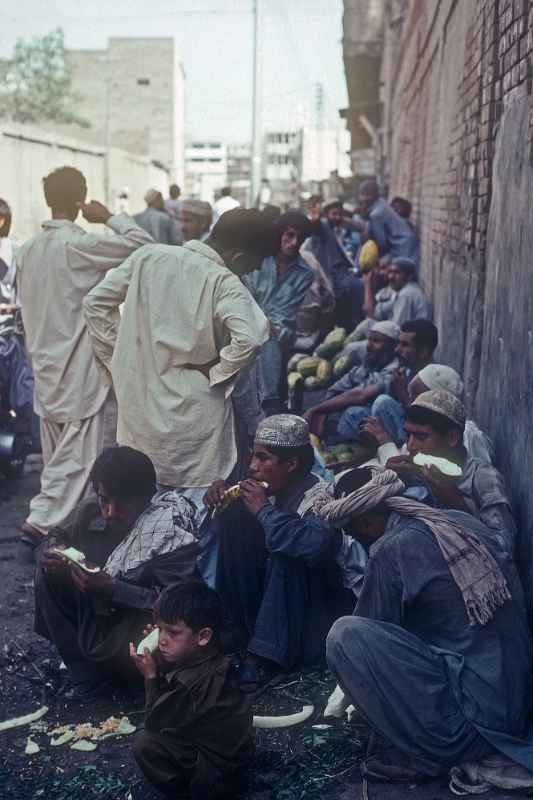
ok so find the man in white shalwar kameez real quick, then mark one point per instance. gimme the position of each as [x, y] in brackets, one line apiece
[55, 270]
[188, 327]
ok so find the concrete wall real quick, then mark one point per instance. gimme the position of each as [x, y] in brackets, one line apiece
[459, 126]
[27, 154]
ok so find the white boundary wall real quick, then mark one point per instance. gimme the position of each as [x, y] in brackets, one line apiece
[27, 154]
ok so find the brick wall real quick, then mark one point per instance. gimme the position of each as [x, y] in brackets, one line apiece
[461, 129]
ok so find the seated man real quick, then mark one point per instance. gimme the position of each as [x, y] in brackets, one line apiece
[392, 233]
[327, 246]
[277, 576]
[435, 424]
[418, 341]
[354, 394]
[279, 288]
[410, 301]
[141, 543]
[198, 735]
[194, 218]
[433, 376]
[426, 657]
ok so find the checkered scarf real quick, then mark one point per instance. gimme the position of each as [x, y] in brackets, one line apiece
[472, 567]
[169, 522]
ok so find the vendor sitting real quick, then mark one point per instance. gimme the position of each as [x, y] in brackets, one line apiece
[277, 575]
[438, 655]
[141, 542]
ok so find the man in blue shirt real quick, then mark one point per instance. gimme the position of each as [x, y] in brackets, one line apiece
[393, 234]
[279, 288]
[328, 245]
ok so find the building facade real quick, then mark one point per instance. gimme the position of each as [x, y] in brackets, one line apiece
[133, 94]
[240, 172]
[206, 169]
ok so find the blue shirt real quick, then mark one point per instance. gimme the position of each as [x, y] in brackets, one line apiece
[394, 234]
[279, 298]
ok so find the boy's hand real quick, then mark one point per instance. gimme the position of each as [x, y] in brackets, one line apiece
[145, 663]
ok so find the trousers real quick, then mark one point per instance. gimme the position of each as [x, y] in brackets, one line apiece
[69, 451]
[389, 411]
[402, 687]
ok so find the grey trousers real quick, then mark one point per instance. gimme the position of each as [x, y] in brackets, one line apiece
[402, 687]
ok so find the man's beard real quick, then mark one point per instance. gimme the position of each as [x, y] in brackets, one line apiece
[378, 360]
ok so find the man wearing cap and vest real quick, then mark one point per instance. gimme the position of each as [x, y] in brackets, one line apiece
[277, 574]
[435, 424]
[155, 220]
[356, 393]
[195, 218]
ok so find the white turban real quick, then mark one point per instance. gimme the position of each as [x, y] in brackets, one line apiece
[386, 328]
[439, 376]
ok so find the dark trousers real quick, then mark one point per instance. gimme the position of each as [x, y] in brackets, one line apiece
[177, 770]
[92, 640]
[283, 607]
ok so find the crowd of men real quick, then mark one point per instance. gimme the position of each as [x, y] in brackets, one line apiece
[159, 352]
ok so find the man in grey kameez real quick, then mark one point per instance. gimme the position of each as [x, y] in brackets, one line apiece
[437, 655]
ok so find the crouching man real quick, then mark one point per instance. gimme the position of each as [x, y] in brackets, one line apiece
[277, 576]
[437, 656]
[198, 737]
[141, 542]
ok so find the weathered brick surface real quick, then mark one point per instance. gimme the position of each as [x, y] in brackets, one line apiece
[462, 75]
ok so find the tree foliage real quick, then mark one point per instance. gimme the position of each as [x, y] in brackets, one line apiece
[36, 83]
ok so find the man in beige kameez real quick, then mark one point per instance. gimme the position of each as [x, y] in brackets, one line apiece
[56, 269]
[188, 327]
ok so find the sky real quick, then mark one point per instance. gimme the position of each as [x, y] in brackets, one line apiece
[301, 46]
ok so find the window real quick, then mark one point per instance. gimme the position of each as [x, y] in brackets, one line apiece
[143, 81]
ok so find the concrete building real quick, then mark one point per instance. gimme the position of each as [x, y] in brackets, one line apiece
[281, 165]
[455, 129]
[323, 151]
[133, 94]
[206, 169]
[240, 172]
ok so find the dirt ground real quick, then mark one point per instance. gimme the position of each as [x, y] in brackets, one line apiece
[292, 764]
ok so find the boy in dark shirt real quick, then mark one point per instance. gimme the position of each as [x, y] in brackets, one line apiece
[198, 737]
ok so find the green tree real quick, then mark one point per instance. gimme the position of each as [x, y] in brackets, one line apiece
[36, 84]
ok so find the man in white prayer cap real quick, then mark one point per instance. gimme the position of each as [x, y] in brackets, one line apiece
[355, 394]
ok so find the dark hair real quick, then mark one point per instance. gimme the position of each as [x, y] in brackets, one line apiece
[225, 191]
[64, 187]
[5, 211]
[425, 416]
[125, 473]
[174, 191]
[404, 206]
[304, 454]
[191, 601]
[249, 230]
[426, 333]
[352, 480]
[406, 265]
[297, 220]
[314, 199]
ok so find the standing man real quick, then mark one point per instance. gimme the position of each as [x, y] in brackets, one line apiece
[279, 288]
[155, 221]
[328, 247]
[172, 203]
[188, 327]
[224, 203]
[55, 271]
[195, 218]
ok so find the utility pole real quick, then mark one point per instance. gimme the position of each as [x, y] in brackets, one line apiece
[256, 106]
